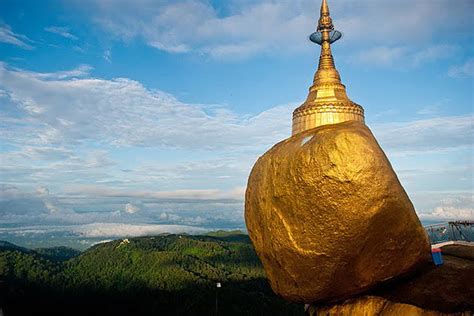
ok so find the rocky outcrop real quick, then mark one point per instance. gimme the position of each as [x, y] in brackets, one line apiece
[375, 306]
[328, 216]
[433, 290]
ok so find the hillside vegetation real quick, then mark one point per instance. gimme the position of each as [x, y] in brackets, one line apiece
[160, 275]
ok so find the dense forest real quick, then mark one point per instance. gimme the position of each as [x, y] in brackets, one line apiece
[159, 275]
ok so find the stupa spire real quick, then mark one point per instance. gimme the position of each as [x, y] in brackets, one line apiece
[324, 28]
[327, 101]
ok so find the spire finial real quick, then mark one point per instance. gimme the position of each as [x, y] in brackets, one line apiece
[324, 8]
[327, 102]
[325, 21]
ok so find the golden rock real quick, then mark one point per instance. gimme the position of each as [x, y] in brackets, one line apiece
[328, 216]
[373, 305]
[433, 290]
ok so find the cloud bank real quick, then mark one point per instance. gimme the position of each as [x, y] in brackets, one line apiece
[122, 112]
[244, 28]
[104, 230]
[82, 150]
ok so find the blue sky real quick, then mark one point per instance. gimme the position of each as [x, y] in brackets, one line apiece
[126, 117]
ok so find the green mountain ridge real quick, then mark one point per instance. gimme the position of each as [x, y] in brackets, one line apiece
[156, 275]
[60, 253]
[5, 245]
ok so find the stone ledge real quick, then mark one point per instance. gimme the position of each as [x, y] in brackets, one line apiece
[442, 290]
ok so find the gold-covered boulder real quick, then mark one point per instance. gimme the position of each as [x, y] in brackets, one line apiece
[328, 216]
[372, 305]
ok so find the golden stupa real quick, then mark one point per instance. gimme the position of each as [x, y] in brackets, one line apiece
[327, 101]
[324, 209]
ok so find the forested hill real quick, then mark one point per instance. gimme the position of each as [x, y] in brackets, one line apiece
[159, 275]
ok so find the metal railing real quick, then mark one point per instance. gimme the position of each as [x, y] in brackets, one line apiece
[451, 231]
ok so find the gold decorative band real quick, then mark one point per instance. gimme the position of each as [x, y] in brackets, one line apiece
[324, 108]
[310, 117]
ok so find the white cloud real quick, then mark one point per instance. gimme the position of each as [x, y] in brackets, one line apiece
[190, 194]
[42, 191]
[434, 134]
[46, 165]
[50, 206]
[178, 48]
[17, 204]
[8, 191]
[131, 209]
[104, 230]
[62, 31]
[381, 55]
[460, 207]
[403, 56]
[452, 212]
[10, 37]
[434, 109]
[462, 71]
[93, 159]
[107, 55]
[38, 153]
[433, 53]
[78, 72]
[169, 217]
[400, 22]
